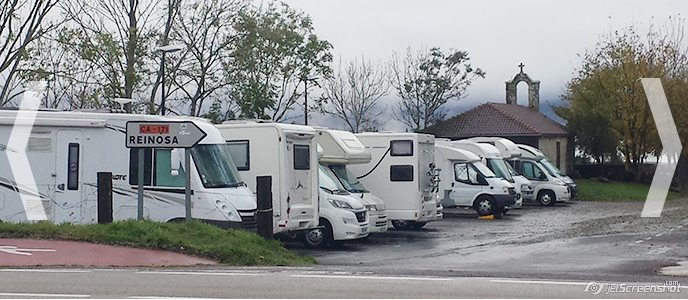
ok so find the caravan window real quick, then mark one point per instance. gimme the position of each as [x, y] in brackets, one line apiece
[134, 166]
[240, 154]
[73, 167]
[531, 171]
[401, 148]
[401, 173]
[156, 169]
[461, 172]
[302, 157]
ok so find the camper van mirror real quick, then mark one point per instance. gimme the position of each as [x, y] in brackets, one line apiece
[176, 161]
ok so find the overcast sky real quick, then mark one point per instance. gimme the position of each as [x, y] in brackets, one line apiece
[546, 36]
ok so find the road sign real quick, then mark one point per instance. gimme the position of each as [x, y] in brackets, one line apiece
[164, 134]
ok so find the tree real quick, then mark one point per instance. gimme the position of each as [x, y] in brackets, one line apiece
[353, 94]
[276, 52]
[22, 22]
[426, 80]
[607, 95]
[205, 28]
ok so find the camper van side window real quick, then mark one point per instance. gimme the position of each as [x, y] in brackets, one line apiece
[401, 148]
[401, 173]
[73, 167]
[461, 172]
[240, 154]
[134, 166]
[302, 157]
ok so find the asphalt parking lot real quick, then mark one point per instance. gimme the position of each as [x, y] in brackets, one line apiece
[571, 240]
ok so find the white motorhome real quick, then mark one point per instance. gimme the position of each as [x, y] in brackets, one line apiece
[286, 152]
[402, 172]
[341, 149]
[466, 182]
[549, 183]
[66, 150]
[492, 158]
[510, 151]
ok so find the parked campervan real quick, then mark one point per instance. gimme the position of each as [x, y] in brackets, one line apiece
[287, 153]
[466, 182]
[550, 184]
[510, 151]
[66, 150]
[342, 149]
[402, 173]
[492, 158]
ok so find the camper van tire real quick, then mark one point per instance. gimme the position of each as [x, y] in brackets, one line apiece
[318, 237]
[402, 224]
[547, 198]
[484, 205]
[418, 225]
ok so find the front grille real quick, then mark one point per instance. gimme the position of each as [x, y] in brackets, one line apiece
[248, 219]
[360, 216]
[380, 223]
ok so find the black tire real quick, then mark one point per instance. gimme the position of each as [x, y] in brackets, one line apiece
[504, 211]
[402, 224]
[318, 237]
[547, 198]
[418, 225]
[484, 205]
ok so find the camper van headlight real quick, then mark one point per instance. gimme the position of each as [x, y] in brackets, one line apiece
[371, 207]
[505, 190]
[232, 214]
[559, 181]
[526, 187]
[340, 204]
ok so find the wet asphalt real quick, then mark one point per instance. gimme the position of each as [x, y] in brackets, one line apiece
[574, 240]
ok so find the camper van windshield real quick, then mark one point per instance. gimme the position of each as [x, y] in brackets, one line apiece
[215, 165]
[329, 182]
[554, 171]
[349, 181]
[487, 173]
[498, 166]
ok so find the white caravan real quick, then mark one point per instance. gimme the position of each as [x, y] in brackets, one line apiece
[492, 158]
[466, 182]
[509, 152]
[286, 152]
[66, 150]
[402, 172]
[550, 184]
[340, 149]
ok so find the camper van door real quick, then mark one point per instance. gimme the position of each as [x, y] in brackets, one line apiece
[68, 153]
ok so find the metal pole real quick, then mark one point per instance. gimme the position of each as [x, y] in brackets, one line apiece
[162, 103]
[264, 220]
[305, 103]
[104, 197]
[187, 185]
[140, 203]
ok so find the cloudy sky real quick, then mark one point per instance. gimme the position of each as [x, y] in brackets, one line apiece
[546, 36]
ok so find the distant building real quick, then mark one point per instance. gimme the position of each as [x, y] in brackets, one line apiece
[523, 125]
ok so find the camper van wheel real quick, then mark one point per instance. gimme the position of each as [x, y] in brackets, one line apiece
[484, 205]
[547, 198]
[318, 237]
[402, 224]
[418, 225]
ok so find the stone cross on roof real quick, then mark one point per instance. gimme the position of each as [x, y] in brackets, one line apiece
[521, 66]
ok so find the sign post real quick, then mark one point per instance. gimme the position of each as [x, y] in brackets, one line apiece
[163, 134]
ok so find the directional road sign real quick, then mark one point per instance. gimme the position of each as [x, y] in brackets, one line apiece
[164, 134]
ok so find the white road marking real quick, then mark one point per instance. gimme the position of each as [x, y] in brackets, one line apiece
[539, 282]
[45, 271]
[35, 295]
[648, 238]
[163, 297]
[639, 241]
[20, 251]
[371, 277]
[198, 273]
[659, 234]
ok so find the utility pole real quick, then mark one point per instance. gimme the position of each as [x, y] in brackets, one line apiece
[305, 103]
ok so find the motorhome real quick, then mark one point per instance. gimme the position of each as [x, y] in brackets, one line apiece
[342, 149]
[466, 182]
[510, 151]
[402, 173]
[286, 152]
[492, 158]
[550, 184]
[66, 150]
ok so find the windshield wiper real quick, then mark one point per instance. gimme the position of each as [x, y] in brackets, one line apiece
[237, 184]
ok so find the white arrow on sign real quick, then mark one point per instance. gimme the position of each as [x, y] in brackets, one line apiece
[666, 165]
[20, 251]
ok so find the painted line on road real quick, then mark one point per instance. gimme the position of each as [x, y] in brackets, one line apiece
[371, 277]
[35, 295]
[165, 297]
[198, 273]
[539, 282]
[44, 271]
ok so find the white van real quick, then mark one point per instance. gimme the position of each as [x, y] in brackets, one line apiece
[466, 182]
[550, 185]
[342, 149]
[510, 151]
[286, 152]
[492, 158]
[66, 150]
[402, 172]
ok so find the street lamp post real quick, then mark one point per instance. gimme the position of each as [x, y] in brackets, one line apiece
[165, 49]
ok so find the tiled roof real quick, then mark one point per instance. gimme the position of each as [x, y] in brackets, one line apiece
[497, 119]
